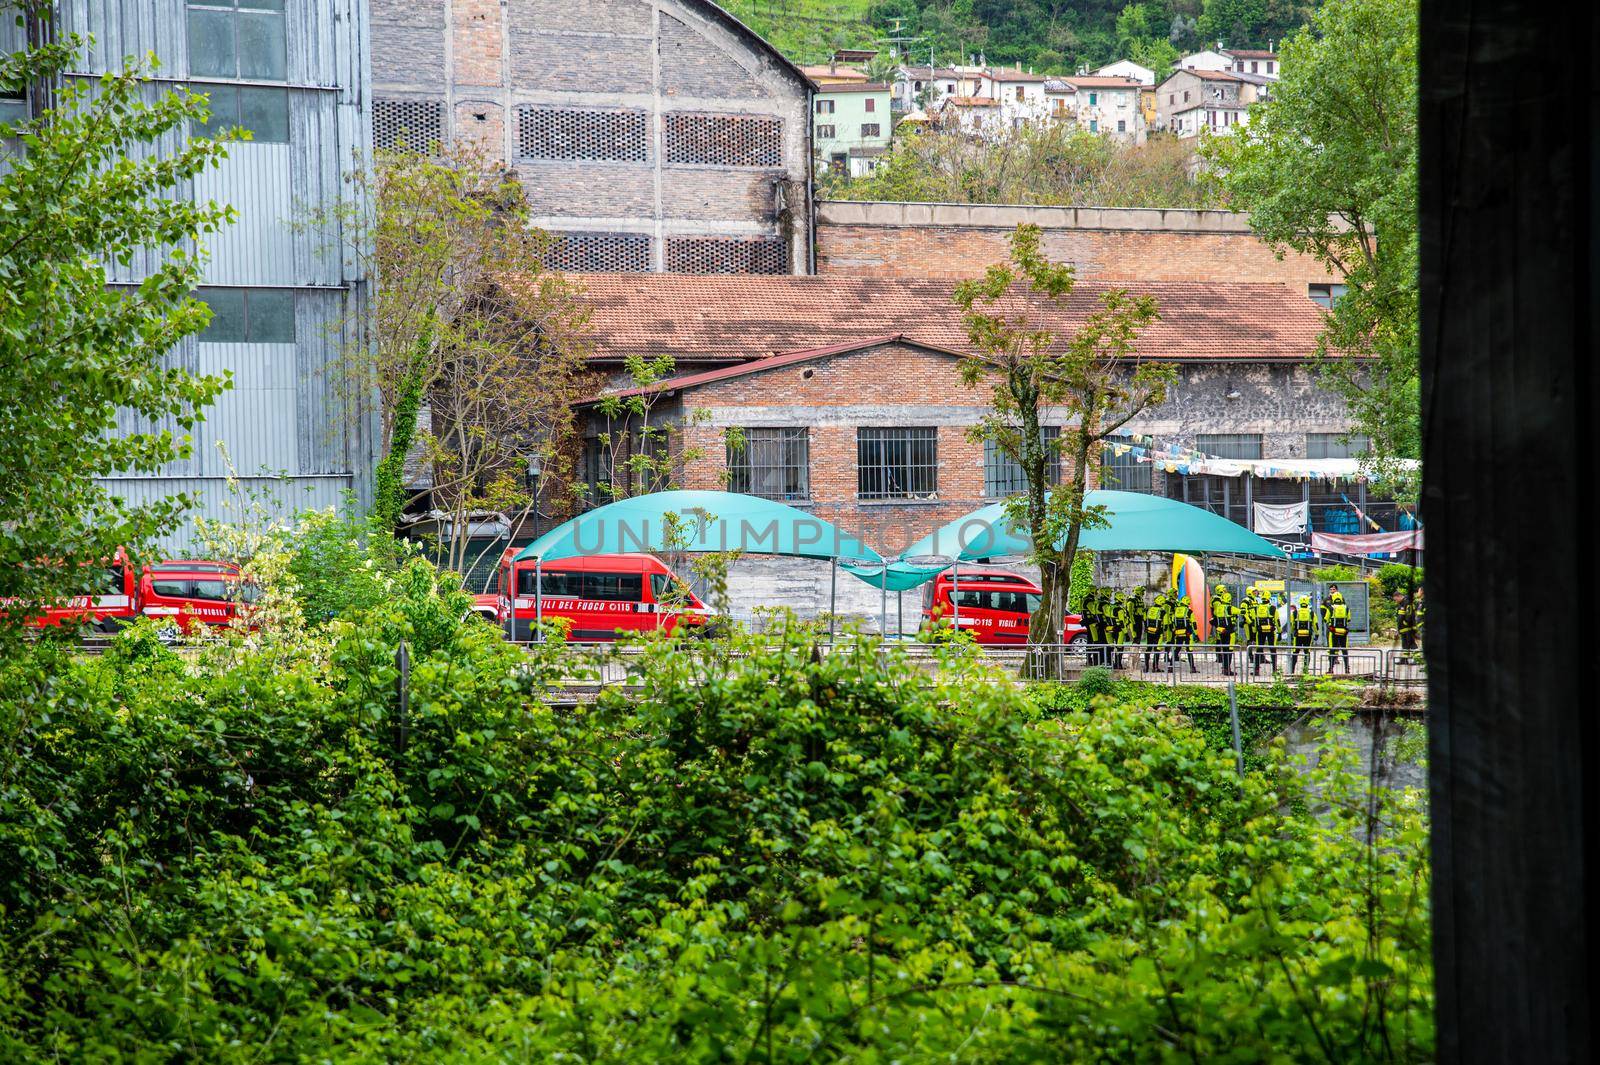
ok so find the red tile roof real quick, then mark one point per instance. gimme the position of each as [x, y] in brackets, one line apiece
[1249, 53]
[788, 358]
[737, 317]
[1103, 82]
[1210, 75]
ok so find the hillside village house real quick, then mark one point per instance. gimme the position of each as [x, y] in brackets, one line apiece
[1020, 94]
[976, 115]
[1109, 105]
[1234, 60]
[1213, 101]
[923, 88]
[660, 136]
[1127, 68]
[852, 125]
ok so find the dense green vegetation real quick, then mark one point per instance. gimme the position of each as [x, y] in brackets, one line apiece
[246, 851]
[1328, 168]
[1048, 35]
[1050, 165]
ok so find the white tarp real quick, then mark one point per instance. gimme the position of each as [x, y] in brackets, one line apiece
[1288, 519]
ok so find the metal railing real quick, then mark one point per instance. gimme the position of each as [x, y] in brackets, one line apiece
[595, 666]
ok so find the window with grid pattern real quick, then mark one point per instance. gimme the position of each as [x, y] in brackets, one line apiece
[724, 140]
[582, 134]
[608, 253]
[417, 125]
[1002, 474]
[1124, 473]
[897, 463]
[771, 463]
[1229, 445]
[726, 255]
[1336, 446]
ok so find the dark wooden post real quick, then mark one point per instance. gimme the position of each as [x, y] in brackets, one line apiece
[1511, 420]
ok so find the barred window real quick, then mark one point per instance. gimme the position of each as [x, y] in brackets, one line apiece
[570, 133]
[725, 255]
[1124, 472]
[248, 315]
[1002, 474]
[870, 129]
[1229, 445]
[824, 133]
[898, 463]
[1336, 446]
[771, 463]
[601, 253]
[724, 140]
[417, 125]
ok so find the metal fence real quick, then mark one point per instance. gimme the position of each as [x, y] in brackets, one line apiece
[594, 666]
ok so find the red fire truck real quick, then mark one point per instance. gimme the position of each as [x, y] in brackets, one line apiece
[190, 592]
[995, 606]
[603, 596]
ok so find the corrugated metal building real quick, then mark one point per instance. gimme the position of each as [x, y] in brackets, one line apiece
[294, 72]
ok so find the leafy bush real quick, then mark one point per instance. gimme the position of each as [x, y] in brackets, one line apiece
[1336, 573]
[1395, 578]
[758, 851]
[1095, 680]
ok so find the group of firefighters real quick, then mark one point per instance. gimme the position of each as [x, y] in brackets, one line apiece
[1256, 628]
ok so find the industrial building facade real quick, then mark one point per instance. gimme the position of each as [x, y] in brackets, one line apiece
[650, 135]
[294, 73]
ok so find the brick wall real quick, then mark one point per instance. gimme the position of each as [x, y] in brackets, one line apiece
[486, 59]
[958, 240]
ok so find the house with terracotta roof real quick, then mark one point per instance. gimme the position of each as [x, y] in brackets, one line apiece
[854, 383]
[851, 126]
[977, 115]
[1107, 104]
[1196, 101]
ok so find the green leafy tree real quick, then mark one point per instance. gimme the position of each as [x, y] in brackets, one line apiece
[81, 358]
[1095, 379]
[495, 365]
[1328, 167]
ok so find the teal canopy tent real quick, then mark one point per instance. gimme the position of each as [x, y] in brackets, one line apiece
[1134, 522]
[896, 576]
[699, 522]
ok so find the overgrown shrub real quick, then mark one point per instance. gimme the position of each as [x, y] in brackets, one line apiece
[760, 851]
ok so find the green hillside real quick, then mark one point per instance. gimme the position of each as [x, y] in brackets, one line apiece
[1048, 35]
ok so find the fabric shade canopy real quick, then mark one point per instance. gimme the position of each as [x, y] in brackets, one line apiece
[896, 576]
[1135, 522]
[699, 522]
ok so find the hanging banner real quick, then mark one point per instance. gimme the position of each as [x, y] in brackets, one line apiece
[1369, 543]
[1288, 519]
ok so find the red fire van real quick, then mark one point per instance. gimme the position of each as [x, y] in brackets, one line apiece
[995, 605]
[193, 592]
[603, 596]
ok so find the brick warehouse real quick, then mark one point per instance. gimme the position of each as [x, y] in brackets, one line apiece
[846, 392]
[650, 136]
